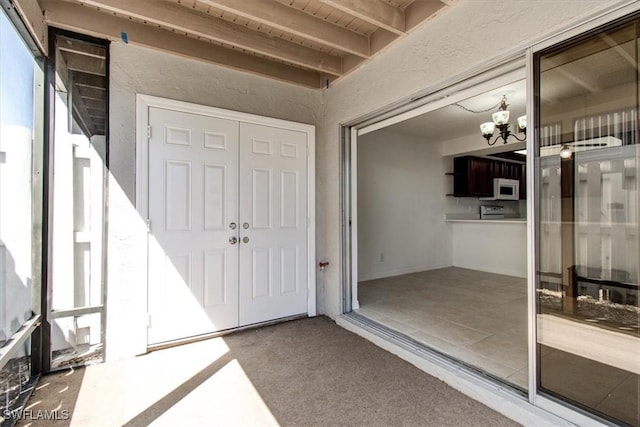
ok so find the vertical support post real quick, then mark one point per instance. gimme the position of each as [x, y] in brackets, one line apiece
[568, 234]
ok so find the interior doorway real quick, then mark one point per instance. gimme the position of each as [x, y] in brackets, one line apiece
[441, 230]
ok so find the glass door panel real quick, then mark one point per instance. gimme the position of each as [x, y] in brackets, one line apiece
[588, 317]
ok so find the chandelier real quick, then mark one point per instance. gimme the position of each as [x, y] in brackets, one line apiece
[501, 121]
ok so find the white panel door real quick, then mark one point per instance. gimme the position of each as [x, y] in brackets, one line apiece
[273, 217]
[193, 201]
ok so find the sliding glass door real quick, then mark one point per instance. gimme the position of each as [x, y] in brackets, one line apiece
[588, 245]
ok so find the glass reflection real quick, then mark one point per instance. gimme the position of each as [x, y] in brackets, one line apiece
[588, 248]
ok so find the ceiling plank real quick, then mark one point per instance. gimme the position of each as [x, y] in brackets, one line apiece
[83, 19]
[376, 12]
[293, 21]
[185, 20]
[85, 64]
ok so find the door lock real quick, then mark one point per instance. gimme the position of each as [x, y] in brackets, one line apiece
[245, 225]
[232, 226]
[245, 239]
[233, 240]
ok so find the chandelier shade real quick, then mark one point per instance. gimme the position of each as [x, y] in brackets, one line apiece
[501, 121]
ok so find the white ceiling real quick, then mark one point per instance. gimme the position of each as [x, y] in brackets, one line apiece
[452, 122]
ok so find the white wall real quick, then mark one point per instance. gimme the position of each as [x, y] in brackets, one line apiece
[138, 70]
[461, 38]
[401, 206]
[495, 247]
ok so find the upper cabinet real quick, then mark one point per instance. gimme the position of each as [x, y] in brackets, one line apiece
[473, 176]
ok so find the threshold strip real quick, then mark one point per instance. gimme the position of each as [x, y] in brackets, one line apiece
[432, 355]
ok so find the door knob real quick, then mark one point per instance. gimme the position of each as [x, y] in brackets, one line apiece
[233, 240]
[245, 239]
[245, 225]
[232, 226]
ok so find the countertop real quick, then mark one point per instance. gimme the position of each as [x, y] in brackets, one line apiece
[492, 221]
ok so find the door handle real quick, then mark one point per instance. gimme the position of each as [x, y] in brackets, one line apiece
[245, 239]
[233, 240]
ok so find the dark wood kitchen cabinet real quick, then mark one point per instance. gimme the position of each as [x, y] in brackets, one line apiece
[473, 176]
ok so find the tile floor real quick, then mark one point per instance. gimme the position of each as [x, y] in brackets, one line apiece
[477, 317]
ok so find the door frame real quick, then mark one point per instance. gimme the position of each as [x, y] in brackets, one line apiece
[145, 102]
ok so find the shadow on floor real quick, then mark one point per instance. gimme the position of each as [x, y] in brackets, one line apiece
[304, 372]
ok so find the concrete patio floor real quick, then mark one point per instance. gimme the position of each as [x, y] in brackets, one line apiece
[305, 372]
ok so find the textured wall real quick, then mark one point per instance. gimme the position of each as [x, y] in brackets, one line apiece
[137, 70]
[461, 38]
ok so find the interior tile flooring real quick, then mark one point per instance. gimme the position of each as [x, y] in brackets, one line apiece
[477, 317]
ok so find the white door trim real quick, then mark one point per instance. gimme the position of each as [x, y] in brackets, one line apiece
[144, 102]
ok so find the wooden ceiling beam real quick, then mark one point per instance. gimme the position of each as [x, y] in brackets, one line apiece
[376, 12]
[89, 21]
[31, 14]
[293, 21]
[185, 20]
[421, 11]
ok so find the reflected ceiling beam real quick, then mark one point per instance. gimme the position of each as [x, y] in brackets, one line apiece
[182, 19]
[92, 93]
[89, 21]
[292, 21]
[85, 64]
[376, 12]
[623, 53]
[81, 48]
[89, 80]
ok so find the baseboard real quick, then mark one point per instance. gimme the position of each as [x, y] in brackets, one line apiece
[504, 271]
[400, 272]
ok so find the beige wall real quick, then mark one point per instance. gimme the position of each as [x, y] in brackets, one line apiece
[138, 70]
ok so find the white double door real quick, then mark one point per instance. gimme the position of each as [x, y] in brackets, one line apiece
[228, 224]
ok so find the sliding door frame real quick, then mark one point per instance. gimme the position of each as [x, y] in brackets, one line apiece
[475, 81]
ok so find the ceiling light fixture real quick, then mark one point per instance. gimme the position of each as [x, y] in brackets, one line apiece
[501, 121]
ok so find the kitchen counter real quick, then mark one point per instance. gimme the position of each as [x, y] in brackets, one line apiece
[495, 221]
[494, 245]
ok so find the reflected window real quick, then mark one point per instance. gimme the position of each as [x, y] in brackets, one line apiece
[588, 316]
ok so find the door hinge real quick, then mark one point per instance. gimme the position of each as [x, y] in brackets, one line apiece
[148, 225]
[148, 320]
[149, 132]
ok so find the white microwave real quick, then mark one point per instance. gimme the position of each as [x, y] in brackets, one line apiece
[506, 189]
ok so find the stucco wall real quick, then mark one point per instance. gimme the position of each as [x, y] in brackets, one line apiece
[138, 70]
[463, 37]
